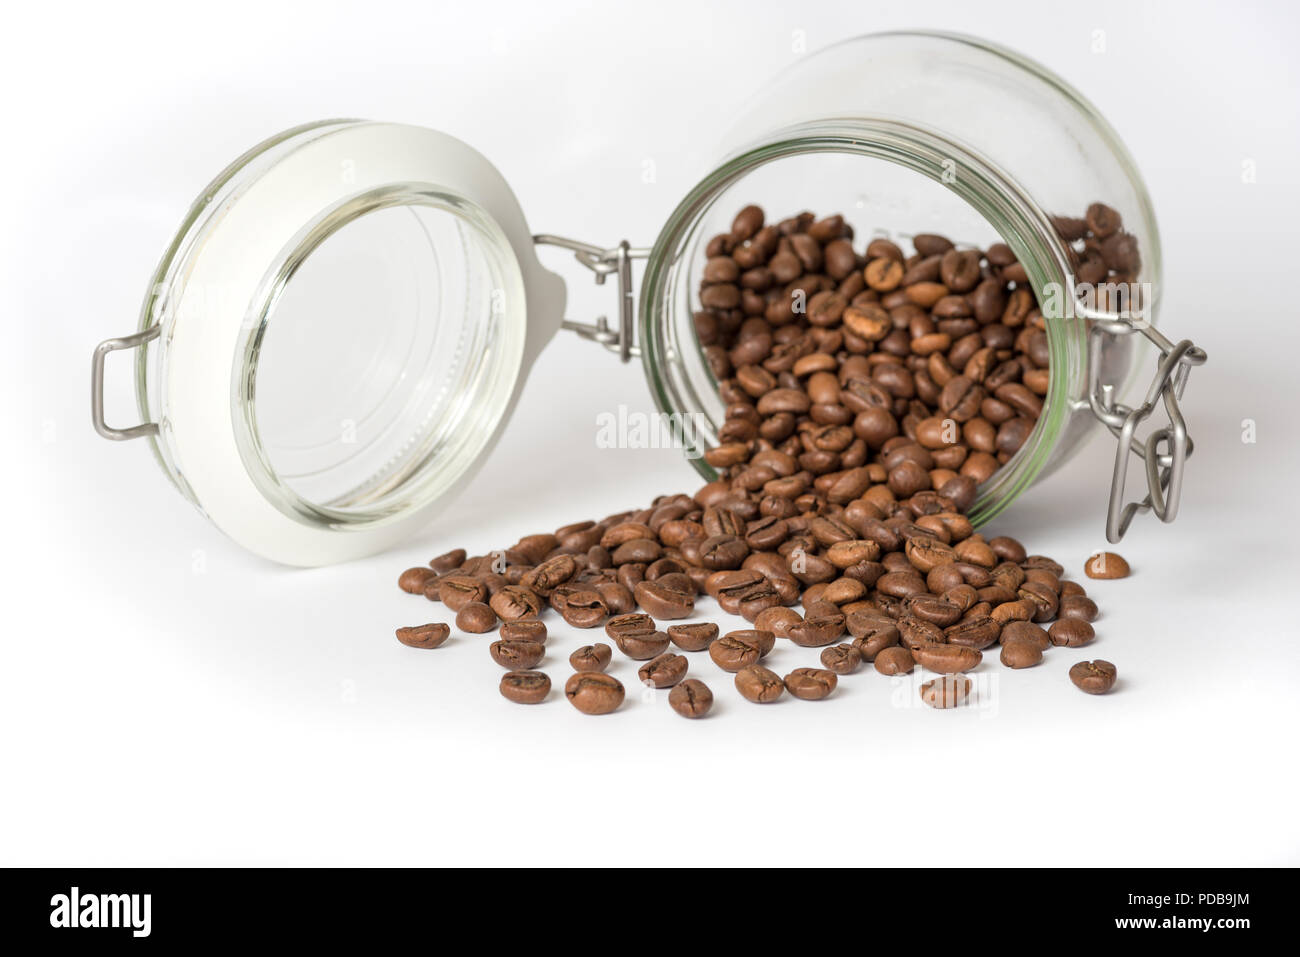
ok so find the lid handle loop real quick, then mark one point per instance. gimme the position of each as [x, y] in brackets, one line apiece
[97, 386]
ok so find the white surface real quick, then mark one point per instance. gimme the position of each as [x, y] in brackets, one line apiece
[167, 698]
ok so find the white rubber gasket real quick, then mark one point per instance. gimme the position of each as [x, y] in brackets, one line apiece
[220, 282]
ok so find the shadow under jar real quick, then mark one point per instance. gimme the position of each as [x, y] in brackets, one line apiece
[334, 340]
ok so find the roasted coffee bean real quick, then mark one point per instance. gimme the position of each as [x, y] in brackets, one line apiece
[423, 636]
[457, 591]
[691, 699]
[946, 659]
[514, 602]
[1070, 633]
[764, 641]
[976, 632]
[517, 654]
[413, 580]
[778, 620]
[1106, 565]
[632, 625]
[1021, 654]
[841, 659]
[1094, 677]
[550, 573]
[529, 629]
[914, 632]
[525, 687]
[1043, 597]
[476, 618]
[1077, 606]
[593, 692]
[814, 632]
[642, 647]
[895, 660]
[591, 657]
[584, 608]
[810, 684]
[664, 602]
[663, 671]
[758, 684]
[693, 637]
[948, 691]
[448, 561]
[732, 654]
[1026, 631]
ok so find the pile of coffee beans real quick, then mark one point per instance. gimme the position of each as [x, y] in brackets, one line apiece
[867, 395]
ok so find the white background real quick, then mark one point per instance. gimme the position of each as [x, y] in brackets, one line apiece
[166, 698]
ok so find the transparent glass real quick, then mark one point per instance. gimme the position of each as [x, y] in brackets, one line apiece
[913, 132]
[375, 360]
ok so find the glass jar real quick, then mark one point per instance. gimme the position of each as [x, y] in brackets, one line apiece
[309, 444]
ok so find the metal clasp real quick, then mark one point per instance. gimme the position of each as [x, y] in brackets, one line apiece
[603, 262]
[1165, 450]
[97, 386]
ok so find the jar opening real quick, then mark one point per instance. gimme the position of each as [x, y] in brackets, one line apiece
[886, 178]
[378, 357]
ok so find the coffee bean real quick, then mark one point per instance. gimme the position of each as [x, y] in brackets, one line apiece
[948, 691]
[631, 625]
[1094, 677]
[584, 608]
[448, 561]
[778, 620]
[663, 671]
[758, 684]
[1021, 654]
[642, 647]
[818, 631]
[514, 602]
[1106, 565]
[810, 684]
[693, 637]
[423, 636]
[457, 591]
[894, 660]
[946, 659]
[732, 654]
[413, 580]
[1070, 633]
[529, 629]
[591, 657]
[1077, 606]
[525, 687]
[691, 699]
[1025, 631]
[476, 618]
[977, 632]
[841, 659]
[594, 692]
[517, 654]
[662, 601]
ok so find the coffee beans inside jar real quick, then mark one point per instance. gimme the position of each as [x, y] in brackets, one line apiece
[868, 391]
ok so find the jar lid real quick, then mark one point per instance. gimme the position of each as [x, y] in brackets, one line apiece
[336, 337]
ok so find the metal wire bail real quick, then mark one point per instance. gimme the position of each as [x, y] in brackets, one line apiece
[1165, 450]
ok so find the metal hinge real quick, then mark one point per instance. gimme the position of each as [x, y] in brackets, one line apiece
[618, 261]
[1165, 450]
